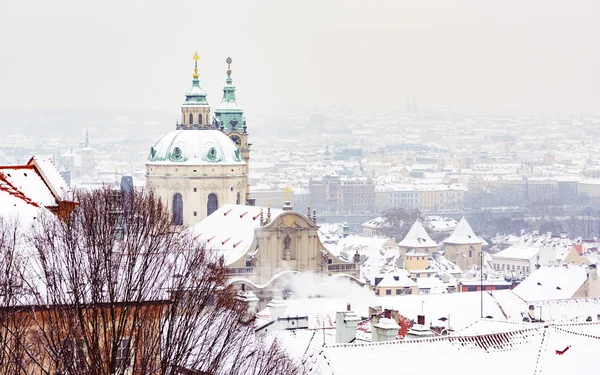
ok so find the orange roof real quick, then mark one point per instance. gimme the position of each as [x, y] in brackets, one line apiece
[578, 248]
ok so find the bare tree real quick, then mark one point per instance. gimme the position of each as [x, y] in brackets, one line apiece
[117, 290]
[397, 222]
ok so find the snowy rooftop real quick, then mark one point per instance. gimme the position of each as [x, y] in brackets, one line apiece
[549, 283]
[464, 235]
[27, 180]
[215, 231]
[535, 350]
[417, 237]
[517, 252]
[396, 281]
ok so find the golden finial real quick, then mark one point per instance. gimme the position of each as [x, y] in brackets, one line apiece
[287, 193]
[196, 58]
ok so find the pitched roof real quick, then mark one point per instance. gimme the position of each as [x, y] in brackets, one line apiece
[549, 283]
[14, 203]
[396, 281]
[417, 237]
[230, 229]
[28, 181]
[51, 177]
[517, 252]
[464, 235]
[535, 349]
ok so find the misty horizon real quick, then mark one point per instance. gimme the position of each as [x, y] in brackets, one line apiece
[524, 56]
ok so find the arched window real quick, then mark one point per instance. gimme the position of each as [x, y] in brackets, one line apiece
[237, 201]
[191, 119]
[471, 251]
[177, 209]
[213, 204]
[200, 118]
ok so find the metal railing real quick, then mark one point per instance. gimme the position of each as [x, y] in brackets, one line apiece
[239, 270]
[343, 267]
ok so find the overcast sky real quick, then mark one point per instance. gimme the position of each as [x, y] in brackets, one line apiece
[287, 55]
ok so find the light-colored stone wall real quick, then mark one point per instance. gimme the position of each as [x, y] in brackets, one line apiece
[195, 183]
[304, 253]
[195, 111]
[464, 255]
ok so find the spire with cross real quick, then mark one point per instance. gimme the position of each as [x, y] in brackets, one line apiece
[196, 58]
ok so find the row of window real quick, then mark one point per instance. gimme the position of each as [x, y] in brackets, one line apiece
[399, 291]
[212, 206]
[507, 267]
[191, 119]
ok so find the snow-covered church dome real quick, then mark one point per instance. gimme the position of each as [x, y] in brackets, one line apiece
[196, 147]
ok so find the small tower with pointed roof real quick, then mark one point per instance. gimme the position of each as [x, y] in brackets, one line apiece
[195, 110]
[463, 247]
[417, 238]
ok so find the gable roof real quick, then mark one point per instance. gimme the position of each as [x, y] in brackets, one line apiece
[49, 173]
[464, 235]
[417, 237]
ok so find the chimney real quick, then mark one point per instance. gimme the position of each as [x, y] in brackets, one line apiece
[345, 326]
[385, 329]
[277, 307]
[532, 312]
[250, 300]
[593, 283]
[345, 229]
[421, 319]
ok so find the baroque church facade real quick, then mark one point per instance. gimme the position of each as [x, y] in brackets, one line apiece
[200, 172]
[203, 163]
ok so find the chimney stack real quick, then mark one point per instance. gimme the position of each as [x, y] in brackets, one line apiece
[345, 326]
[384, 329]
[277, 307]
[532, 312]
[250, 300]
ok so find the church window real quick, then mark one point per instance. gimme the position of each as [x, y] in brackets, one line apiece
[470, 253]
[177, 209]
[213, 204]
[237, 200]
[191, 119]
[195, 190]
[195, 213]
[200, 118]
[232, 188]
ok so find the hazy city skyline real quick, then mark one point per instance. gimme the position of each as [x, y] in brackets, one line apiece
[523, 55]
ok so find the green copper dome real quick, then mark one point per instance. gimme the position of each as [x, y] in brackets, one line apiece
[195, 147]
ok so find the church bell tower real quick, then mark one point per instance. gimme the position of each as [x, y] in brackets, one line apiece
[229, 118]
